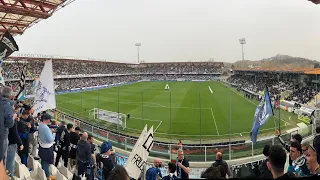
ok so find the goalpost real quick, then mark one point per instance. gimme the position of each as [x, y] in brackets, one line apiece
[109, 116]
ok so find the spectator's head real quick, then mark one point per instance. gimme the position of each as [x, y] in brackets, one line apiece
[25, 114]
[53, 123]
[218, 156]
[277, 160]
[180, 154]
[29, 109]
[69, 127]
[172, 167]
[46, 118]
[7, 92]
[266, 150]
[118, 173]
[297, 137]
[90, 138]
[311, 157]
[106, 148]
[211, 173]
[78, 130]
[157, 163]
[223, 171]
[84, 136]
[63, 123]
[318, 130]
[304, 147]
[295, 150]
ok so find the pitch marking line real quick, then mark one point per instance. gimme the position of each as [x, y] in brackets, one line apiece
[157, 126]
[214, 120]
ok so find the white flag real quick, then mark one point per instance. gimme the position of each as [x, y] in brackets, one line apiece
[141, 137]
[139, 155]
[44, 95]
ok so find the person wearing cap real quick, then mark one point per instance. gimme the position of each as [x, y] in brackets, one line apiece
[8, 115]
[104, 163]
[83, 158]
[74, 138]
[312, 162]
[46, 144]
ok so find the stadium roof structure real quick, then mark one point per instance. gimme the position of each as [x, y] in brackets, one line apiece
[18, 15]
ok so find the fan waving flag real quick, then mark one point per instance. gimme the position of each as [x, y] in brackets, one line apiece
[263, 113]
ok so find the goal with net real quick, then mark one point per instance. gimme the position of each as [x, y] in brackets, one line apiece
[109, 116]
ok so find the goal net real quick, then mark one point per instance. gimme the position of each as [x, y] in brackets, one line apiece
[109, 116]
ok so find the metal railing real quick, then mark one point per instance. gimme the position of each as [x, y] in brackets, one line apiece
[196, 153]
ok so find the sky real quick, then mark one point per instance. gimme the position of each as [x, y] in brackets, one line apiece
[177, 30]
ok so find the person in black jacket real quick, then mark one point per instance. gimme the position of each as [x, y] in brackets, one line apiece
[32, 137]
[316, 143]
[221, 162]
[277, 160]
[104, 163]
[23, 131]
[14, 142]
[295, 137]
[60, 129]
[263, 168]
[74, 138]
[171, 170]
[64, 145]
[83, 158]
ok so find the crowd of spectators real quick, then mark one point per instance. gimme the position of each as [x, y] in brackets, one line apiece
[302, 95]
[74, 67]
[258, 83]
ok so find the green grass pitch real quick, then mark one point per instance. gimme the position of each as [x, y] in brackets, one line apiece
[193, 108]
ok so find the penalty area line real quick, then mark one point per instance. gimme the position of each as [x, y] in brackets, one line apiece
[214, 120]
[157, 126]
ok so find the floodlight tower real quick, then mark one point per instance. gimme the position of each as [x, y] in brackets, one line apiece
[138, 45]
[242, 42]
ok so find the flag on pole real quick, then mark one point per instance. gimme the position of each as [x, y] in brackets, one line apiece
[22, 83]
[44, 94]
[7, 46]
[263, 113]
[139, 154]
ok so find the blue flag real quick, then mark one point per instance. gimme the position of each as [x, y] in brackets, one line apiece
[263, 113]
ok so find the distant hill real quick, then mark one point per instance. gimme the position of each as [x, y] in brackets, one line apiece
[284, 61]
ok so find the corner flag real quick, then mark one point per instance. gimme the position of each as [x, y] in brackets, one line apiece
[263, 113]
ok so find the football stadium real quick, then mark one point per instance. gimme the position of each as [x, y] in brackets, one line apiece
[153, 107]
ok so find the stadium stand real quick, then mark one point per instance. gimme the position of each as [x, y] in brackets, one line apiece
[79, 74]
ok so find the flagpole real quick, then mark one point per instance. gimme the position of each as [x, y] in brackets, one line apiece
[279, 102]
[118, 109]
[200, 119]
[170, 120]
[229, 124]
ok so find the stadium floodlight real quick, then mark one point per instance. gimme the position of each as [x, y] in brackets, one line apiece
[242, 42]
[138, 45]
